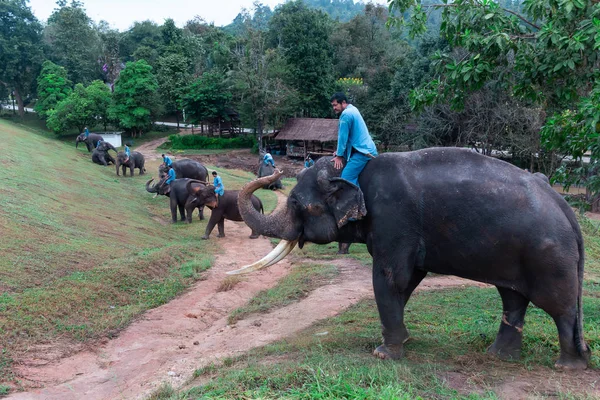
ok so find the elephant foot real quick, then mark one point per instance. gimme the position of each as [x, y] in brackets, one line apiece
[343, 252]
[254, 236]
[389, 352]
[204, 237]
[573, 362]
[505, 353]
[220, 236]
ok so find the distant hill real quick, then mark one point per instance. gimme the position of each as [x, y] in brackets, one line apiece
[342, 10]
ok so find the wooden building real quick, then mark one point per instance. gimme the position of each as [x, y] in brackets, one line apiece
[303, 136]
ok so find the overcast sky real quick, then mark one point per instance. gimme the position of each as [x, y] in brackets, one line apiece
[121, 14]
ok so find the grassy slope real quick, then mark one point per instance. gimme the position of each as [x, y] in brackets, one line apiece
[83, 251]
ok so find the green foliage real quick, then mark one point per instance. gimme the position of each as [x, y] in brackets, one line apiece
[21, 51]
[259, 81]
[135, 100]
[303, 34]
[173, 77]
[181, 142]
[74, 42]
[83, 107]
[53, 87]
[145, 34]
[207, 98]
[543, 56]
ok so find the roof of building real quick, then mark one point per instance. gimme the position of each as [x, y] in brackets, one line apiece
[309, 129]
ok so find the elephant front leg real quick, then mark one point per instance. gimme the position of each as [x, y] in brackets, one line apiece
[201, 213]
[210, 226]
[173, 210]
[130, 170]
[221, 226]
[393, 288]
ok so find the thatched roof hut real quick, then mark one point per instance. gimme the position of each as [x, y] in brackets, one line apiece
[309, 135]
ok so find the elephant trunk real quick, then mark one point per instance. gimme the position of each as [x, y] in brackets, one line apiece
[279, 224]
[150, 189]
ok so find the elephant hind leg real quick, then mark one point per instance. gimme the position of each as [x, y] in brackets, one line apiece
[510, 335]
[221, 227]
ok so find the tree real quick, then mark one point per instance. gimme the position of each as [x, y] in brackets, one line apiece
[135, 101]
[303, 36]
[21, 51]
[73, 42]
[259, 82]
[53, 87]
[207, 98]
[146, 34]
[83, 107]
[547, 56]
[109, 58]
[173, 77]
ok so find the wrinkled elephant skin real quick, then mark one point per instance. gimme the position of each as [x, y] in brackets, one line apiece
[446, 211]
[136, 160]
[179, 198]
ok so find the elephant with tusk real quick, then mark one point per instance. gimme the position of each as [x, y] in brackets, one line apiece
[448, 211]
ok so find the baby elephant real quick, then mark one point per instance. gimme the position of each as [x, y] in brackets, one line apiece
[136, 160]
[225, 208]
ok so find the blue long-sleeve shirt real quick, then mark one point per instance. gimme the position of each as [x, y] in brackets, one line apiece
[219, 188]
[353, 133]
[268, 158]
[127, 151]
[172, 176]
[167, 160]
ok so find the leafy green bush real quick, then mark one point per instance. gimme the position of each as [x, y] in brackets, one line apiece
[202, 142]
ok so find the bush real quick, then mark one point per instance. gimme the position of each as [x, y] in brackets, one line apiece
[202, 142]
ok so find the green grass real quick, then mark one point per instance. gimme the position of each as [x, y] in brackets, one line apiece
[298, 284]
[83, 251]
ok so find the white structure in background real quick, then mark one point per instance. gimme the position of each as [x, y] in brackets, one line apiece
[113, 138]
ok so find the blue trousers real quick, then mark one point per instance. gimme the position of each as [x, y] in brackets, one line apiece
[354, 167]
[267, 162]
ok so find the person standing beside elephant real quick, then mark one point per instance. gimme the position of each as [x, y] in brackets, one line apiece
[355, 144]
[218, 184]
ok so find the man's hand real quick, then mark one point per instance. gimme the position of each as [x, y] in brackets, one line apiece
[338, 162]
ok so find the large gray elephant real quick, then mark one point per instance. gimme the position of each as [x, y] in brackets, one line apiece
[267, 170]
[226, 208]
[186, 168]
[136, 160]
[90, 142]
[447, 211]
[101, 156]
[179, 198]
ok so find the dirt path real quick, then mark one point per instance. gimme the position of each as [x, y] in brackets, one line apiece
[168, 343]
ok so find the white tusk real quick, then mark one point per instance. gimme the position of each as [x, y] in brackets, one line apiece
[277, 254]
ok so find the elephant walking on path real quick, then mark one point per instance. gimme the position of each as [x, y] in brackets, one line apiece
[227, 207]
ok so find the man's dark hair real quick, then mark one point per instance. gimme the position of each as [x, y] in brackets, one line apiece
[214, 172]
[339, 97]
[163, 156]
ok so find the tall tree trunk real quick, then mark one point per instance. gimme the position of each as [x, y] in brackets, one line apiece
[20, 105]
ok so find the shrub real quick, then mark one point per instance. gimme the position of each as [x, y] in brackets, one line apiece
[202, 142]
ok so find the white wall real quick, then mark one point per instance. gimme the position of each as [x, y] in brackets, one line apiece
[113, 138]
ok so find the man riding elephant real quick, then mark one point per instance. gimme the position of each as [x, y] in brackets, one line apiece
[267, 170]
[135, 160]
[179, 198]
[100, 154]
[90, 141]
[226, 207]
[185, 168]
[448, 211]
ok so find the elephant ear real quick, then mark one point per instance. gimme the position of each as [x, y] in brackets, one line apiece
[345, 199]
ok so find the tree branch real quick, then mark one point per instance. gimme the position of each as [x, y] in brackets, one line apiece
[502, 8]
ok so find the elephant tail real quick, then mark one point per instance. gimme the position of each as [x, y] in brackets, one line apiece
[582, 346]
